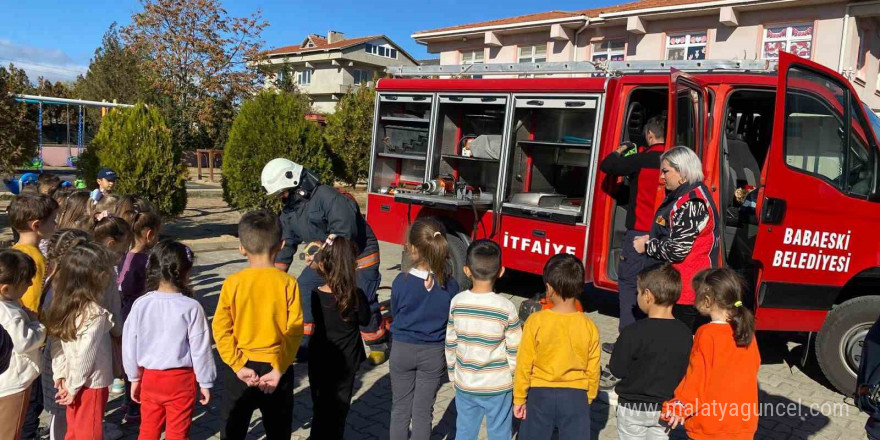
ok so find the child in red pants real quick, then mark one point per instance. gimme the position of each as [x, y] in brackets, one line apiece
[82, 365]
[165, 367]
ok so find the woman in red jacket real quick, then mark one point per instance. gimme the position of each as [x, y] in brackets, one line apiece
[686, 231]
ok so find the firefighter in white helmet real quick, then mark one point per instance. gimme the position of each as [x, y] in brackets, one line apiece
[310, 213]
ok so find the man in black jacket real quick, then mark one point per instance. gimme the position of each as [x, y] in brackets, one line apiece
[643, 170]
[311, 212]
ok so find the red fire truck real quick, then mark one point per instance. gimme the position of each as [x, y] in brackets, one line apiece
[516, 160]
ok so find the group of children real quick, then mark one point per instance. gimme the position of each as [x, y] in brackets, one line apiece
[97, 297]
[90, 297]
[546, 372]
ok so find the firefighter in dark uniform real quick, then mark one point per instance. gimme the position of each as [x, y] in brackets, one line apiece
[311, 212]
[643, 170]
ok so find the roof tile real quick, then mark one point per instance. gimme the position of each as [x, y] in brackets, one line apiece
[321, 45]
[549, 15]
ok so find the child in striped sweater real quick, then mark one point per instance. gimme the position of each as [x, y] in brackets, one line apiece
[482, 337]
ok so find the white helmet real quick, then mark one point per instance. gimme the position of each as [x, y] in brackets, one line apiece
[280, 174]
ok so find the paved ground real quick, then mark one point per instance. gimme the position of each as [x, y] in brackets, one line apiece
[781, 382]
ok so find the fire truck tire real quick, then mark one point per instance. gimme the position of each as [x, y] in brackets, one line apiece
[839, 343]
[457, 253]
[405, 263]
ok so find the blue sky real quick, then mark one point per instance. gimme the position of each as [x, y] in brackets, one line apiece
[56, 39]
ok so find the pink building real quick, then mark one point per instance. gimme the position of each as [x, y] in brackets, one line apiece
[843, 35]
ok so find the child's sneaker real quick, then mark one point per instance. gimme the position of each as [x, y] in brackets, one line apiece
[118, 386]
[133, 414]
[607, 381]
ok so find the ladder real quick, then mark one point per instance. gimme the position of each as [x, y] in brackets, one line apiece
[611, 68]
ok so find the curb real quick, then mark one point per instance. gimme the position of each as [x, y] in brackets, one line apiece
[212, 246]
[204, 193]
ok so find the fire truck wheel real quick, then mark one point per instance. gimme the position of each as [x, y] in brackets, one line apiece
[839, 343]
[405, 263]
[457, 253]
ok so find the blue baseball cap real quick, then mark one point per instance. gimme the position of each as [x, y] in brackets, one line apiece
[28, 179]
[106, 173]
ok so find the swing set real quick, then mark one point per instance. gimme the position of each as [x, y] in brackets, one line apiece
[54, 148]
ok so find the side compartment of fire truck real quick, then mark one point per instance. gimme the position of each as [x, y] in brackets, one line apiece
[514, 167]
[778, 163]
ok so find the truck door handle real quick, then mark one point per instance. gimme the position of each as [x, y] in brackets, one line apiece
[773, 212]
[539, 233]
[535, 102]
[385, 208]
[575, 103]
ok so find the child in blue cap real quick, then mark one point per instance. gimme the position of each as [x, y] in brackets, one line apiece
[106, 182]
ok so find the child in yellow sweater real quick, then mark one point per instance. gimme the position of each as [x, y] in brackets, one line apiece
[258, 326]
[557, 368]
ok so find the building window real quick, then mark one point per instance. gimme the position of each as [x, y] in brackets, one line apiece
[362, 76]
[609, 50]
[304, 78]
[533, 54]
[796, 39]
[472, 56]
[381, 51]
[865, 41]
[690, 46]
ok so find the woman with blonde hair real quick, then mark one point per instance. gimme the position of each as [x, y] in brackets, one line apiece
[686, 230]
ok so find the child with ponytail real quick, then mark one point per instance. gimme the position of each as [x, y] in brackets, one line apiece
[75, 211]
[61, 242]
[722, 373]
[81, 359]
[167, 346]
[420, 302]
[145, 227]
[115, 234]
[336, 348]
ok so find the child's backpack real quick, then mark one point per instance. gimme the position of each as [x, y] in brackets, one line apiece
[867, 395]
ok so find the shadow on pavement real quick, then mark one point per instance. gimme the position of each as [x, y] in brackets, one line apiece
[780, 415]
[775, 349]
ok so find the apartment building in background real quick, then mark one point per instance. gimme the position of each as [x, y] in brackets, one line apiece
[843, 35]
[325, 67]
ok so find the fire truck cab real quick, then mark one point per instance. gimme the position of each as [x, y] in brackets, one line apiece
[789, 153]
